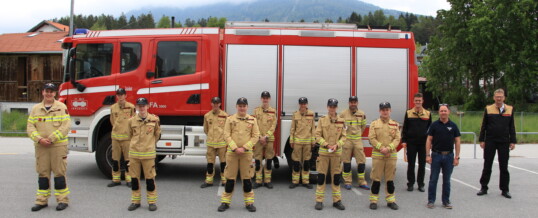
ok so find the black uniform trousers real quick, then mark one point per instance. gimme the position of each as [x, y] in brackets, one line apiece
[412, 151]
[489, 154]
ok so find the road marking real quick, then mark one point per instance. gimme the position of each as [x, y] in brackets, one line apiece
[356, 191]
[519, 168]
[457, 180]
[220, 190]
[8, 153]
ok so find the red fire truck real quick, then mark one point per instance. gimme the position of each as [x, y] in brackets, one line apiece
[180, 69]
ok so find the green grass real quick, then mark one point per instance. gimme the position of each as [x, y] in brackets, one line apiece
[13, 123]
[472, 120]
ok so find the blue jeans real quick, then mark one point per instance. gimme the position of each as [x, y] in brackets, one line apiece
[445, 163]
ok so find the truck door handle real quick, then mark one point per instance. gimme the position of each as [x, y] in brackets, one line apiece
[156, 82]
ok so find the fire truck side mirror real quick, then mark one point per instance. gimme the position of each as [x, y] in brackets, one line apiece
[71, 66]
[150, 75]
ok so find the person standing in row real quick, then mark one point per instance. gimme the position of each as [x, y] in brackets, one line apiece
[144, 131]
[302, 139]
[384, 137]
[266, 118]
[443, 134]
[120, 113]
[416, 123]
[331, 136]
[497, 134]
[214, 121]
[355, 123]
[48, 126]
[241, 134]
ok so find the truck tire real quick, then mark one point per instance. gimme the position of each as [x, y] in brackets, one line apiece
[287, 152]
[159, 158]
[103, 155]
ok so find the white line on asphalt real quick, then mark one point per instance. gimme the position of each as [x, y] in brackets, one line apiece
[459, 181]
[519, 168]
[221, 190]
[356, 191]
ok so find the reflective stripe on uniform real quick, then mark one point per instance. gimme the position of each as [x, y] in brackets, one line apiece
[353, 137]
[216, 144]
[43, 192]
[59, 136]
[390, 198]
[231, 151]
[60, 118]
[338, 193]
[249, 200]
[135, 198]
[62, 191]
[374, 197]
[34, 135]
[119, 136]
[321, 141]
[322, 193]
[225, 200]
[325, 150]
[152, 199]
[300, 140]
[142, 154]
[379, 154]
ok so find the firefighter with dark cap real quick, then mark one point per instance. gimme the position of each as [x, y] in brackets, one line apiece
[384, 136]
[266, 117]
[144, 131]
[241, 134]
[48, 126]
[120, 113]
[302, 139]
[331, 136]
[214, 121]
[355, 124]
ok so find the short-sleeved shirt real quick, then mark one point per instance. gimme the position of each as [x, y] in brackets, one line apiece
[443, 135]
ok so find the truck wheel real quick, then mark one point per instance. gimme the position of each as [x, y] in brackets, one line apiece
[159, 158]
[287, 152]
[103, 155]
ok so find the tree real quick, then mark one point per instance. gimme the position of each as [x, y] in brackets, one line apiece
[164, 22]
[99, 25]
[122, 21]
[482, 45]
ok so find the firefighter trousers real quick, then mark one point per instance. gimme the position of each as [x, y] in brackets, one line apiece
[136, 166]
[211, 155]
[383, 166]
[51, 159]
[241, 163]
[261, 152]
[119, 149]
[302, 153]
[353, 148]
[323, 164]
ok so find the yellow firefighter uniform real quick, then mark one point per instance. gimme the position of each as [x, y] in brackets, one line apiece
[240, 132]
[216, 143]
[302, 136]
[330, 131]
[383, 134]
[267, 122]
[144, 134]
[119, 118]
[355, 123]
[53, 123]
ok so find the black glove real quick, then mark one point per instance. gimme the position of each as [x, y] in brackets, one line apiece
[276, 164]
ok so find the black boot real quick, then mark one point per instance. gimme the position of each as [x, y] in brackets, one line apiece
[112, 184]
[152, 207]
[292, 186]
[268, 185]
[38, 207]
[339, 205]
[223, 207]
[257, 185]
[482, 192]
[251, 208]
[319, 206]
[393, 206]
[133, 206]
[129, 184]
[61, 206]
[205, 185]
[373, 206]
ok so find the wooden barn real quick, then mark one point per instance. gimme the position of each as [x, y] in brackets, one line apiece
[27, 61]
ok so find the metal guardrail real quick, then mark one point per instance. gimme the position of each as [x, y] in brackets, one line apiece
[474, 137]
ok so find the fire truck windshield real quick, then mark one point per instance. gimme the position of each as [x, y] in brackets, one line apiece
[93, 60]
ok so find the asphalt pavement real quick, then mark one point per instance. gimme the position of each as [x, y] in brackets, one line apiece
[178, 184]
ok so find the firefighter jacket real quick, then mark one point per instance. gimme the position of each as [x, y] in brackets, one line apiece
[498, 127]
[144, 134]
[303, 128]
[355, 123]
[384, 134]
[266, 121]
[119, 118]
[330, 132]
[53, 123]
[241, 132]
[214, 128]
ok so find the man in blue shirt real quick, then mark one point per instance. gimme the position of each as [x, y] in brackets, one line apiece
[442, 135]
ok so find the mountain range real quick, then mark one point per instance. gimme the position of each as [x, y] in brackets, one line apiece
[273, 10]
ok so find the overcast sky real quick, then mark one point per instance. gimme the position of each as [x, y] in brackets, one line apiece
[21, 15]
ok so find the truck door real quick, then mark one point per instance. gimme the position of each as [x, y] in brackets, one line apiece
[176, 86]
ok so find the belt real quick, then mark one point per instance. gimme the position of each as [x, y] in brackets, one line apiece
[443, 152]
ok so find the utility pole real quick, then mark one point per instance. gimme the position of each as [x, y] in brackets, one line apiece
[71, 28]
